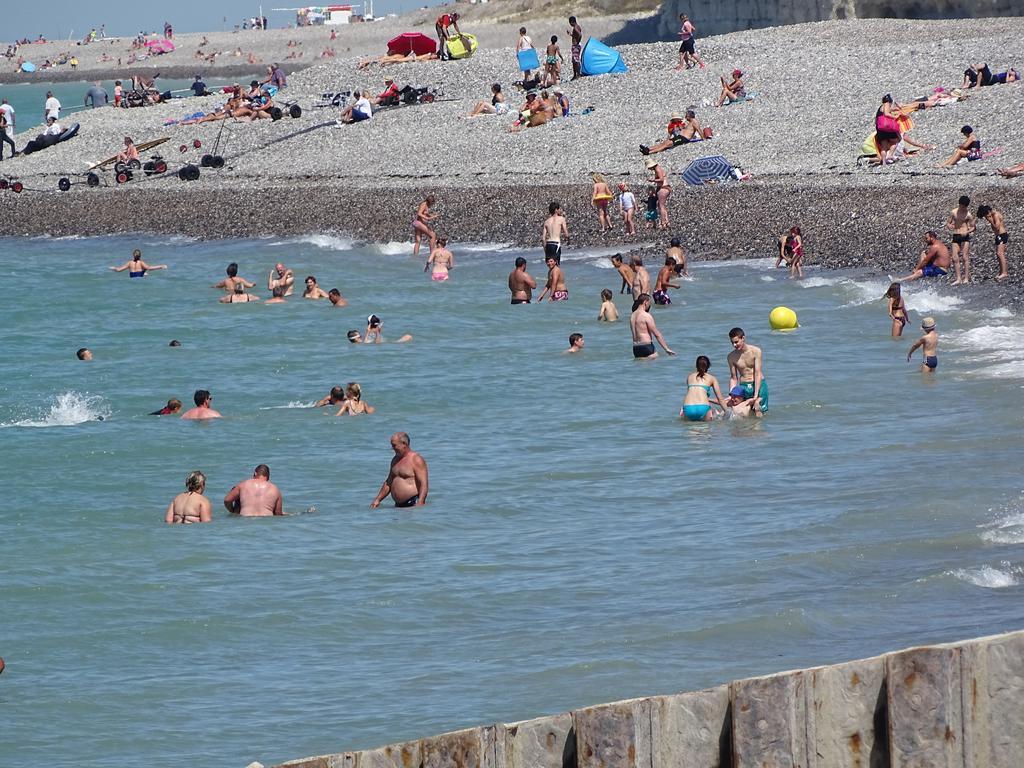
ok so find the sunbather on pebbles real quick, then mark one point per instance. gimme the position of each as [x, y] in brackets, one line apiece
[680, 131]
[734, 90]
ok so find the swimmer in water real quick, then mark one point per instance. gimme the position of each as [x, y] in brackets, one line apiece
[353, 404]
[929, 344]
[441, 260]
[700, 386]
[897, 309]
[239, 296]
[255, 497]
[313, 291]
[190, 506]
[84, 354]
[608, 312]
[575, 343]
[644, 330]
[335, 396]
[172, 407]
[337, 300]
[408, 481]
[555, 286]
[136, 266]
[228, 284]
[625, 272]
[202, 399]
[277, 296]
[739, 406]
[281, 275]
[355, 337]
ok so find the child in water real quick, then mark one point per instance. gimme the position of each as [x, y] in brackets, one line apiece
[575, 343]
[608, 312]
[353, 404]
[929, 344]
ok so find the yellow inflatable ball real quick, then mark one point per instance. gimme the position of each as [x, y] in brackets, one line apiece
[783, 319]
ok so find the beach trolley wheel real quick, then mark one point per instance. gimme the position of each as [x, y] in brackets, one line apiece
[275, 113]
[218, 161]
[134, 165]
[183, 148]
[17, 187]
[149, 168]
[93, 179]
[189, 172]
[120, 167]
[206, 161]
[196, 143]
[428, 98]
[122, 177]
[4, 183]
[160, 167]
[295, 111]
[64, 184]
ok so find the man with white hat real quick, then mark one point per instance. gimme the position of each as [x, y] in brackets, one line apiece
[929, 343]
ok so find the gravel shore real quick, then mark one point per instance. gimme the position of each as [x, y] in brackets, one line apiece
[817, 85]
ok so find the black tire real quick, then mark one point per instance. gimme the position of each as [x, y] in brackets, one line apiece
[64, 184]
[295, 111]
[206, 161]
[4, 183]
[148, 168]
[276, 113]
[218, 161]
[17, 187]
[122, 177]
[189, 172]
[120, 167]
[93, 179]
[134, 165]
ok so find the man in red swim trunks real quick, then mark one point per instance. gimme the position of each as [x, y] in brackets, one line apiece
[441, 26]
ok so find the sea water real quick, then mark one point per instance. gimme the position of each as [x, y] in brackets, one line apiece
[581, 544]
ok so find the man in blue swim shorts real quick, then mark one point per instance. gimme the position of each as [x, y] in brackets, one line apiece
[934, 260]
[746, 368]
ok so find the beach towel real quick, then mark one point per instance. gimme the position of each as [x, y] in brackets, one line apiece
[749, 97]
[528, 60]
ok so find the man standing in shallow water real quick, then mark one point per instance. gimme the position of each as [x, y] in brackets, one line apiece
[284, 277]
[255, 497]
[407, 481]
[520, 283]
[202, 399]
[746, 368]
[641, 323]
[555, 284]
[554, 229]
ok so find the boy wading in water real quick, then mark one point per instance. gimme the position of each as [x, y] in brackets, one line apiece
[929, 343]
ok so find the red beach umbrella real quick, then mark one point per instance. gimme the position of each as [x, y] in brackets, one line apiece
[412, 42]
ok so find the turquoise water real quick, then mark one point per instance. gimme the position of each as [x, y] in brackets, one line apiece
[28, 98]
[580, 544]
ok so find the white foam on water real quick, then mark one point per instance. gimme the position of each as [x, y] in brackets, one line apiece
[988, 577]
[818, 282]
[291, 404]
[1000, 313]
[767, 279]
[928, 301]
[991, 338]
[602, 263]
[1006, 529]
[765, 263]
[395, 248]
[329, 242]
[482, 246]
[68, 409]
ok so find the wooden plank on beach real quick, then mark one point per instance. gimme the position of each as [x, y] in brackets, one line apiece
[769, 721]
[691, 730]
[616, 735]
[992, 675]
[925, 715]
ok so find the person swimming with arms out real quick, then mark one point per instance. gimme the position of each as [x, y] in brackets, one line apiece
[136, 266]
[700, 385]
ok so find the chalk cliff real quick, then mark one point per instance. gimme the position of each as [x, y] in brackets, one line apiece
[715, 17]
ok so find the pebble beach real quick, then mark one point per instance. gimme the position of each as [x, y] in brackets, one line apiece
[816, 89]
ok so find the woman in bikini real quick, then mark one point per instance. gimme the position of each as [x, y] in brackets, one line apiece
[441, 260]
[600, 198]
[136, 266]
[700, 385]
[421, 225]
[354, 404]
[190, 506]
[791, 251]
[897, 310]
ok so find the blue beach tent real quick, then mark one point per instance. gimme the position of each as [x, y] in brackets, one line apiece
[528, 60]
[598, 59]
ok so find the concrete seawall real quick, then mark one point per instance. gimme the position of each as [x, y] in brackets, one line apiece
[959, 705]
